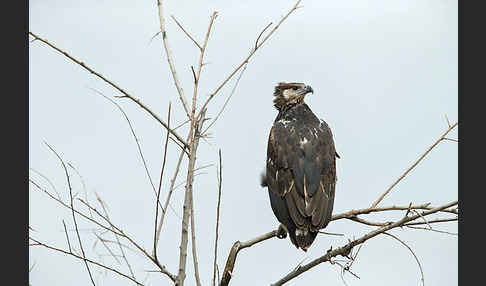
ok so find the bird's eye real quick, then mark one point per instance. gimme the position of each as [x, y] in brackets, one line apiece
[295, 88]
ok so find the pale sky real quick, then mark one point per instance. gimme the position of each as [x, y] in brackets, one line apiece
[384, 75]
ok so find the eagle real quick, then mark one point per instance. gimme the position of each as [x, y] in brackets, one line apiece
[301, 166]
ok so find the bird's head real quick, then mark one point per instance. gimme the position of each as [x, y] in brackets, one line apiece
[289, 93]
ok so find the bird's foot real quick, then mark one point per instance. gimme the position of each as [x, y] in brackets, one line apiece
[281, 231]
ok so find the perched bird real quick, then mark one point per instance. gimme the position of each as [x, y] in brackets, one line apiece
[301, 166]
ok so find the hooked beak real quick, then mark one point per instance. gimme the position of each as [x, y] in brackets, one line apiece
[308, 88]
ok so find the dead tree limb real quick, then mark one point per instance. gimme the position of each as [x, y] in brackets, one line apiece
[237, 246]
[125, 94]
[170, 60]
[345, 250]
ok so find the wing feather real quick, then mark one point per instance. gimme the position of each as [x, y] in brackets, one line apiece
[301, 169]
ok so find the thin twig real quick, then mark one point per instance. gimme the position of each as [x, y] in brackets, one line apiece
[32, 267]
[141, 249]
[353, 213]
[185, 32]
[219, 176]
[451, 139]
[424, 219]
[448, 122]
[182, 124]
[48, 181]
[344, 268]
[193, 244]
[102, 203]
[227, 100]
[107, 247]
[372, 223]
[415, 256]
[256, 42]
[132, 130]
[72, 211]
[38, 243]
[413, 165]
[69, 207]
[82, 183]
[67, 236]
[113, 229]
[194, 74]
[157, 203]
[431, 229]
[126, 94]
[170, 60]
[201, 57]
[184, 149]
[169, 195]
[433, 221]
[121, 244]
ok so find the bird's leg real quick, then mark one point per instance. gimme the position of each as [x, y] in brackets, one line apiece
[281, 231]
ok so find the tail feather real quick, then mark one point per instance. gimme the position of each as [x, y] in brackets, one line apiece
[302, 238]
[263, 179]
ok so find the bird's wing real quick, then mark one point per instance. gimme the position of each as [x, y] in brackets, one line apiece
[301, 168]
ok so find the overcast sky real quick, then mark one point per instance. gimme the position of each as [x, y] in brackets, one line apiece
[384, 75]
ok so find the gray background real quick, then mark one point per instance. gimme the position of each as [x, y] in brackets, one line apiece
[384, 75]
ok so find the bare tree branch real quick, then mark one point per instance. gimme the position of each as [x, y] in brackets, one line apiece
[141, 249]
[38, 243]
[413, 165]
[48, 181]
[345, 250]
[433, 221]
[134, 136]
[237, 246]
[69, 207]
[82, 183]
[169, 195]
[353, 213]
[227, 100]
[431, 229]
[170, 60]
[201, 57]
[67, 236]
[157, 203]
[194, 133]
[107, 247]
[102, 203]
[193, 244]
[415, 256]
[125, 94]
[258, 38]
[185, 32]
[220, 181]
[72, 211]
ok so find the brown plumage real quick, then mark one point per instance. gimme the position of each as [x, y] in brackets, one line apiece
[301, 166]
